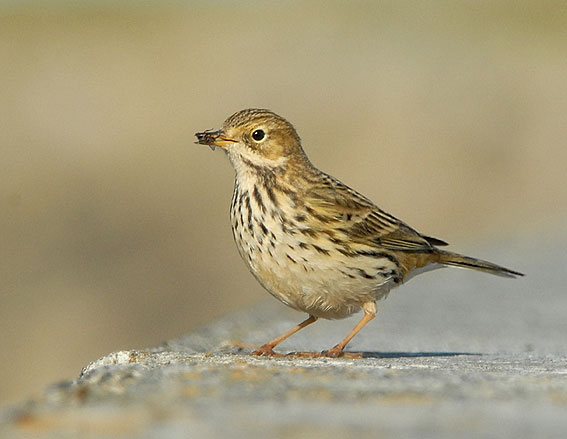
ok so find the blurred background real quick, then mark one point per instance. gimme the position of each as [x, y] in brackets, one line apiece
[114, 226]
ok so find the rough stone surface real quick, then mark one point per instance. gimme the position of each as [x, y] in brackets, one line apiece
[455, 354]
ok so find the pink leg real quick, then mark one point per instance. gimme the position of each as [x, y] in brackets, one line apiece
[267, 349]
[369, 309]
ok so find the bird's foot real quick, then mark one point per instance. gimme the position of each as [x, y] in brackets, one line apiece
[266, 351]
[325, 354]
[335, 352]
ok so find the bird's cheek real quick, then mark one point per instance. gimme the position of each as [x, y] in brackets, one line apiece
[271, 151]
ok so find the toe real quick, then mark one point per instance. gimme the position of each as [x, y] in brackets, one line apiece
[264, 351]
[333, 353]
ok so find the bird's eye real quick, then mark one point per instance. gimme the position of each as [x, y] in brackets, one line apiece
[258, 135]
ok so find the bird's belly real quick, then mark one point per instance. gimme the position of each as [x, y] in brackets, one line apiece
[321, 282]
[321, 293]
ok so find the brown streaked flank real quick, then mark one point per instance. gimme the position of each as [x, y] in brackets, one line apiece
[311, 241]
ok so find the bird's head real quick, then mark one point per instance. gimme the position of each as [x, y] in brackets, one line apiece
[256, 137]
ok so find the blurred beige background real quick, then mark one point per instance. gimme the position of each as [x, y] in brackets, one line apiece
[114, 225]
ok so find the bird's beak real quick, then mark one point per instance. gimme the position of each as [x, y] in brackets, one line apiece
[214, 138]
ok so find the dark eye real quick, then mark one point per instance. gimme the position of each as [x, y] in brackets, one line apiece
[258, 135]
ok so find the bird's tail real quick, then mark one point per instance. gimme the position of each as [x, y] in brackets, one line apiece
[457, 260]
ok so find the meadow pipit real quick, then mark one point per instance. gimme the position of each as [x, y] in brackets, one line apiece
[314, 243]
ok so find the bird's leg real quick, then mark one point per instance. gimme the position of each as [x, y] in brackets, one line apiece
[267, 349]
[369, 309]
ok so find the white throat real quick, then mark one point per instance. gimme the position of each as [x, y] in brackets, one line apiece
[249, 166]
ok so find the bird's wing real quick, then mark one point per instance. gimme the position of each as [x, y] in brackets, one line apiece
[342, 208]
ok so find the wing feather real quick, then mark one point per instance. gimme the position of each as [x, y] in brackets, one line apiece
[350, 212]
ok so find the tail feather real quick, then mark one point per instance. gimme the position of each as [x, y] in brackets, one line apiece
[457, 260]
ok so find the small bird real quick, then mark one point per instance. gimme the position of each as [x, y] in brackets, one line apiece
[311, 241]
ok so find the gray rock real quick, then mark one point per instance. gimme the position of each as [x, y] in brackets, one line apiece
[456, 353]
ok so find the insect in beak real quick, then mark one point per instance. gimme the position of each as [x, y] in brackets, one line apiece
[214, 139]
